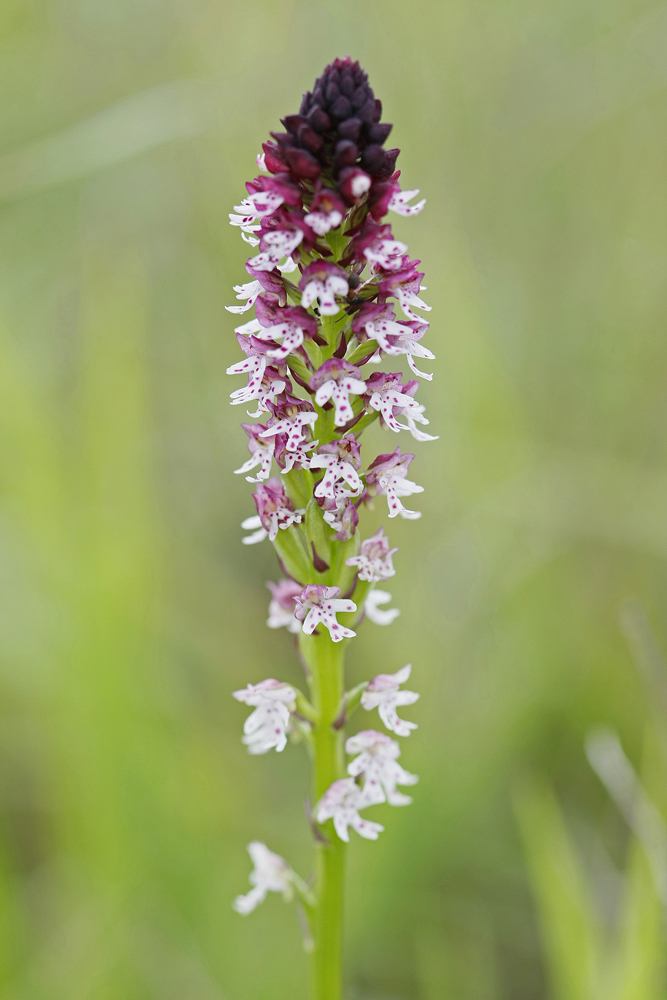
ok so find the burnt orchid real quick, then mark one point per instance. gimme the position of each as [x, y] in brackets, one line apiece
[334, 294]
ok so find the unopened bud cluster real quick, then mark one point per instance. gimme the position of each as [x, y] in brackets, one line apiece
[334, 295]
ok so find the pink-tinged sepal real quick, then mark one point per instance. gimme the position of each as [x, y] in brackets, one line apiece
[378, 765]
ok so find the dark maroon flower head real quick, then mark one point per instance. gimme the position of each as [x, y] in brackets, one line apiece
[337, 136]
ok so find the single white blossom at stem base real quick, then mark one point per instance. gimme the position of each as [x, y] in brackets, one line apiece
[374, 562]
[399, 203]
[267, 726]
[271, 873]
[383, 693]
[373, 612]
[317, 605]
[377, 761]
[341, 802]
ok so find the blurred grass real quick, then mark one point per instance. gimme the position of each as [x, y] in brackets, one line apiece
[130, 609]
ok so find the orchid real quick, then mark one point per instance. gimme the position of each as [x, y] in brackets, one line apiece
[377, 763]
[383, 692]
[267, 726]
[326, 278]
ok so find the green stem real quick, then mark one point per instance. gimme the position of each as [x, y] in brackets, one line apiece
[325, 660]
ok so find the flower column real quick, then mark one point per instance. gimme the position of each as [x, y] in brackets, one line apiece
[327, 276]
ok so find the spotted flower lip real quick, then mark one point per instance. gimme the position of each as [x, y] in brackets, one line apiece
[274, 508]
[341, 802]
[387, 474]
[317, 605]
[336, 380]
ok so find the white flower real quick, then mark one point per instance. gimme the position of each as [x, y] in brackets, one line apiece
[322, 222]
[249, 291]
[281, 243]
[271, 873]
[288, 267]
[342, 802]
[289, 332]
[405, 341]
[383, 693]
[373, 612]
[374, 561]
[254, 524]
[339, 390]
[257, 388]
[377, 761]
[260, 160]
[324, 288]
[261, 455]
[259, 204]
[387, 253]
[294, 428]
[317, 605]
[399, 203]
[267, 726]
[299, 456]
[387, 399]
[282, 606]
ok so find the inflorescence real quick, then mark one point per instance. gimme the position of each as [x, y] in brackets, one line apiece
[327, 281]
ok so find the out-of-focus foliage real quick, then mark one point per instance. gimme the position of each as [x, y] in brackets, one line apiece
[130, 610]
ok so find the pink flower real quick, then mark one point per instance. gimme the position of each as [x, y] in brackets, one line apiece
[274, 509]
[282, 607]
[319, 605]
[383, 693]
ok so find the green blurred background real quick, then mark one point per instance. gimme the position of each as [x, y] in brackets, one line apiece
[129, 608]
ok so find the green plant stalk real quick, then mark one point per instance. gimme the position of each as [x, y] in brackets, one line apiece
[325, 660]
